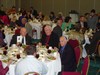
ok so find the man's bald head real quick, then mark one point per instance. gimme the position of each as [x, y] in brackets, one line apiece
[63, 40]
[23, 31]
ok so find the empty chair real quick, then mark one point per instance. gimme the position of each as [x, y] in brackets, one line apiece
[85, 66]
[77, 54]
[97, 50]
[84, 70]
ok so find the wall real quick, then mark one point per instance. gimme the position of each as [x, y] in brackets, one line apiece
[7, 3]
[64, 6]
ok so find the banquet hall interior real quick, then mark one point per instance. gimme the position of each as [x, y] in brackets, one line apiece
[56, 37]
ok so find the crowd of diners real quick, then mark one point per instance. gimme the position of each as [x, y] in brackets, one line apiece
[53, 26]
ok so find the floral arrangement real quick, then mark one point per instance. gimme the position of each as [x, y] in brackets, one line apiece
[46, 54]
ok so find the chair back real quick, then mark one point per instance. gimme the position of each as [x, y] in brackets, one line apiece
[73, 42]
[32, 73]
[77, 51]
[84, 71]
[97, 50]
[85, 66]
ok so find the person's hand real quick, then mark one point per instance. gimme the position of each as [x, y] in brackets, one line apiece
[18, 43]
[9, 62]
[55, 48]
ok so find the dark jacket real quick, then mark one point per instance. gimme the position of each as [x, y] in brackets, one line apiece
[14, 40]
[54, 40]
[85, 25]
[2, 37]
[58, 31]
[68, 59]
[93, 42]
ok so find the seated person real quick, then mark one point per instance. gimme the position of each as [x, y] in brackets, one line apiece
[58, 29]
[67, 55]
[21, 17]
[30, 63]
[22, 38]
[67, 25]
[2, 37]
[3, 71]
[93, 42]
[17, 31]
[27, 26]
[49, 38]
[82, 23]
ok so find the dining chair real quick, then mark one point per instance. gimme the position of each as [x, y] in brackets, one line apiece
[73, 42]
[84, 70]
[77, 51]
[96, 52]
[32, 73]
[85, 66]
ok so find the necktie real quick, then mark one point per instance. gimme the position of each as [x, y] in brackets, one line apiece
[61, 50]
[23, 40]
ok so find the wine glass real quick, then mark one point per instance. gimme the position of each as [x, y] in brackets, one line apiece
[35, 44]
[47, 46]
[18, 56]
[37, 56]
[5, 52]
[3, 31]
[11, 29]
[6, 47]
[49, 51]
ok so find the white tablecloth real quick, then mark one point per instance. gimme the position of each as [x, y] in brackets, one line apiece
[54, 67]
[8, 38]
[38, 27]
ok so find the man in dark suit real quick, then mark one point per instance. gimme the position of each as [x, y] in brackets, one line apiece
[49, 38]
[82, 22]
[27, 26]
[22, 38]
[67, 54]
[93, 42]
[58, 29]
